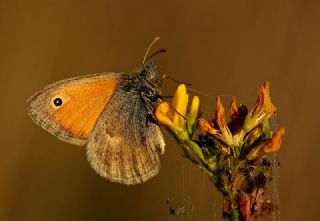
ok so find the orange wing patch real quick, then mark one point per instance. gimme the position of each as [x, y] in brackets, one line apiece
[82, 105]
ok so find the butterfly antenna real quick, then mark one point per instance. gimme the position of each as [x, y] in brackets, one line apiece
[157, 38]
[176, 81]
[155, 53]
[197, 92]
[188, 85]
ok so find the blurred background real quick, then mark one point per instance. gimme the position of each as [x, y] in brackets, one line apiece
[221, 47]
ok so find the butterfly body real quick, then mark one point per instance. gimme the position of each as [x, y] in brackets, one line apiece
[110, 113]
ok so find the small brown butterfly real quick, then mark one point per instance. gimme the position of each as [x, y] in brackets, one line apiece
[110, 113]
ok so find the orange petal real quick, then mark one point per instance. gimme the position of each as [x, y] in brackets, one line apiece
[205, 126]
[274, 143]
[233, 108]
[263, 109]
[263, 103]
[221, 122]
[220, 114]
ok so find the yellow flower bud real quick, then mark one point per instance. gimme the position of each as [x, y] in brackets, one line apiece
[193, 114]
[164, 114]
[174, 115]
[180, 104]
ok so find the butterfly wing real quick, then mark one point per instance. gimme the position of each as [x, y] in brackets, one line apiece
[124, 144]
[82, 99]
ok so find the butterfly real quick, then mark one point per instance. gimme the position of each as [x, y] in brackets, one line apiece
[110, 113]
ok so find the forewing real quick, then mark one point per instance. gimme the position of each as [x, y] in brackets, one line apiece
[124, 145]
[83, 100]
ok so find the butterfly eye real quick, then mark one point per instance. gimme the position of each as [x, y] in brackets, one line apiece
[57, 102]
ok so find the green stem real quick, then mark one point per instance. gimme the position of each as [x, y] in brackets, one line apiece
[234, 215]
[196, 149]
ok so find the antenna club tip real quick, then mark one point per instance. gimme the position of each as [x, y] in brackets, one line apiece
[157, 38]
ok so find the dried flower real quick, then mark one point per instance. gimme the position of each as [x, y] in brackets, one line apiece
[269, 146]
[263, 110]
[237, 116]
[218, 127]
[273, 144]
[206, 126]
[221, 123]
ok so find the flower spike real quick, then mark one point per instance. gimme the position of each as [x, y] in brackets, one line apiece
[233, 153]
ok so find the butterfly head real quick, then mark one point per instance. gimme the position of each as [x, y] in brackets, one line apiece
[150, 81]
[149, 74]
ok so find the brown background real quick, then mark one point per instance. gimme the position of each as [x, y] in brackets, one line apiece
[221, 47]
